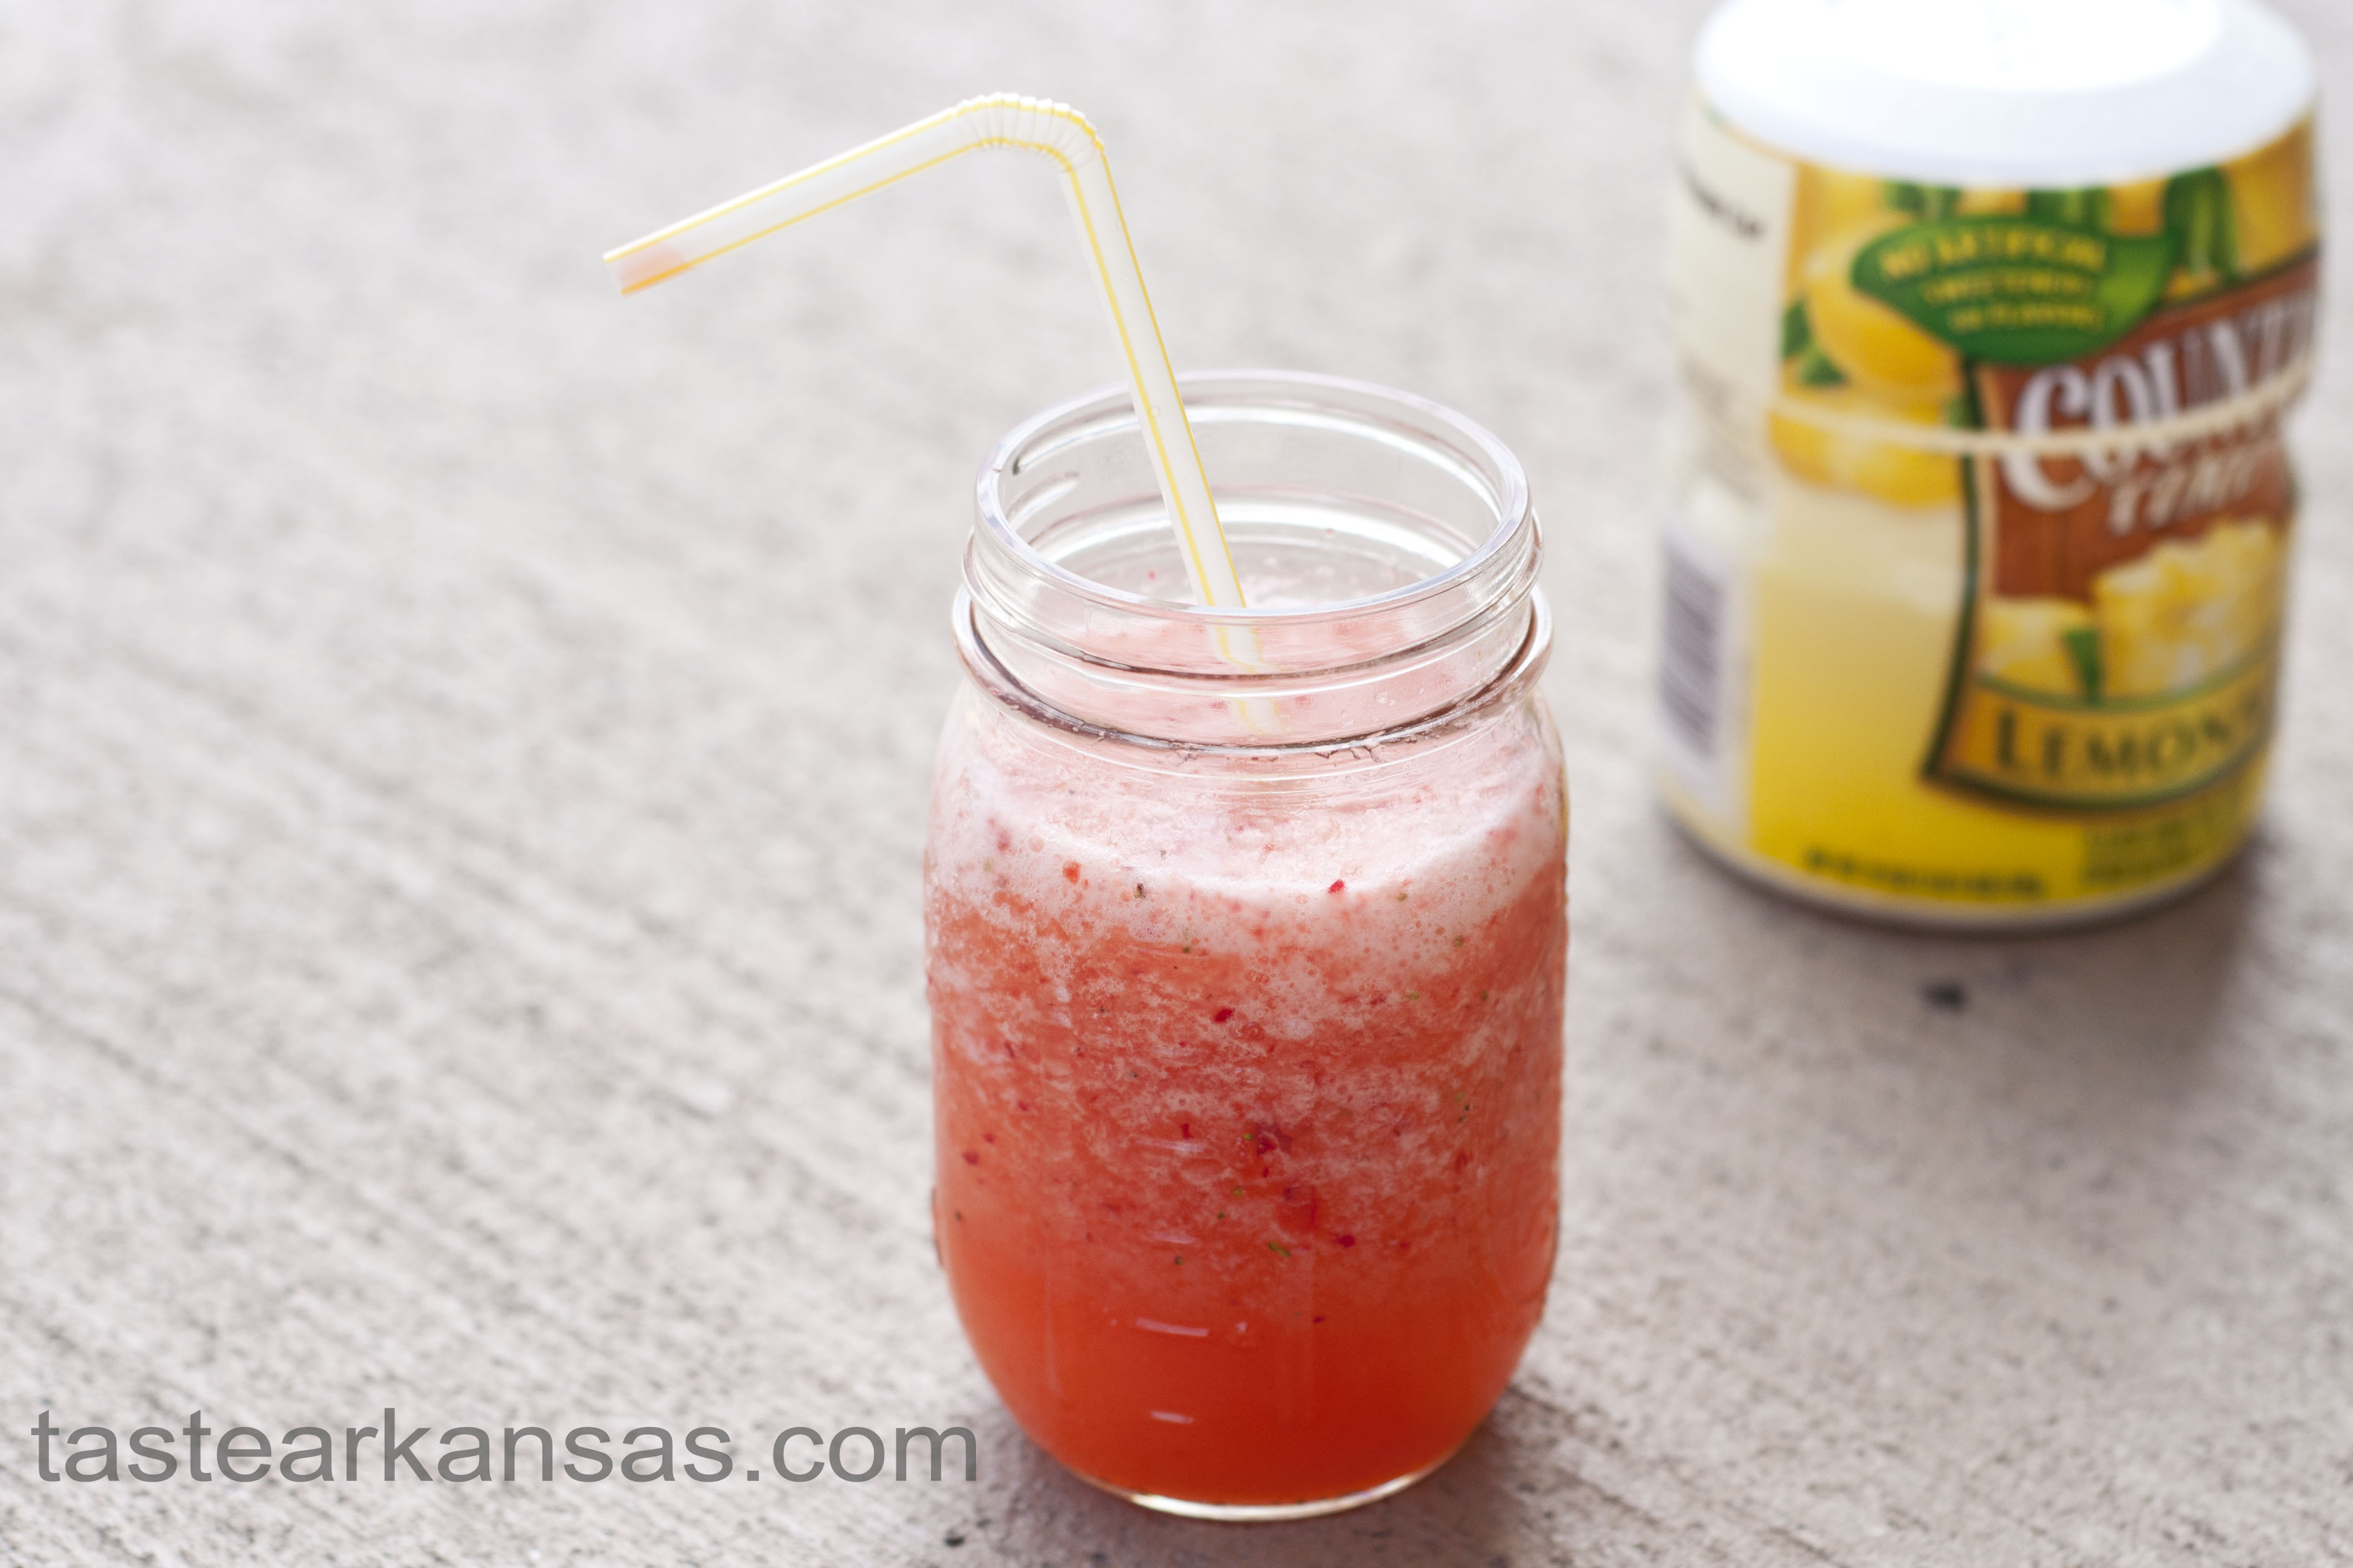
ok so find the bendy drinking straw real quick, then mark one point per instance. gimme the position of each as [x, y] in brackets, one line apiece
[1002, 119]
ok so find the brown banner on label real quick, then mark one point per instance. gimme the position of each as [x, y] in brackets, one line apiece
[2122, 639]
[2057, 523]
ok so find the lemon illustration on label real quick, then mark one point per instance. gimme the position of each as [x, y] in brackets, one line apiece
[1849, 354]
[1886, 470]
[2036, 645]
[1873, 345]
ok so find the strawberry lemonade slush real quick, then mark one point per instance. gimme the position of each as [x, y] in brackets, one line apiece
[1247, 1115]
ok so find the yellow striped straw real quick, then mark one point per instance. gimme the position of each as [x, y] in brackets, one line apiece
[1061, 134]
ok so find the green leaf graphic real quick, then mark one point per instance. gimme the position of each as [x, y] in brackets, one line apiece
[2197, 219]
[1797, 329]
[2089, 208]
[2083, 652]
[1815, 369]
[1922, 201]
[2016, 290]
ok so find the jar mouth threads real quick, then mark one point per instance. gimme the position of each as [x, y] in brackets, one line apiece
[1365, 748]
[1009, 496]
[1389, 546]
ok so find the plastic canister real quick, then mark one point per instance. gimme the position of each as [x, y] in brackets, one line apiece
[1987, 314]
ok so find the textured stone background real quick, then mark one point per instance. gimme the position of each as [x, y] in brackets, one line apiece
[462, 752]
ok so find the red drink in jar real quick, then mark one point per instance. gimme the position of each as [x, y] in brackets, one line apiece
[1247, 988]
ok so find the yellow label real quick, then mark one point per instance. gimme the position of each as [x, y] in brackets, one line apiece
[1982, 676]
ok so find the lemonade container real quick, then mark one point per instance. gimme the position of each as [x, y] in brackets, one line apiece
[1988, 315]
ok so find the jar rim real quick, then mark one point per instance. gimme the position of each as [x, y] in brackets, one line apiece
[1518, 674]
[1504, 481]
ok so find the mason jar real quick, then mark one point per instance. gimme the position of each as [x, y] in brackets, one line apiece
[1246, 933]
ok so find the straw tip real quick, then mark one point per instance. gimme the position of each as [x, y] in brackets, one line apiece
[636, 267]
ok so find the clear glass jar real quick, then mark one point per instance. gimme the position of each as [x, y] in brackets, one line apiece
[1246, 935]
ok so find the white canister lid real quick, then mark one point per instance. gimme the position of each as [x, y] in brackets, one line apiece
[2050, 94]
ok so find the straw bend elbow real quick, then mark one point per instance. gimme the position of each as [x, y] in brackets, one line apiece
[1009, 120]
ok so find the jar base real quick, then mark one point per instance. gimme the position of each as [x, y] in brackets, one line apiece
[1268, 1513]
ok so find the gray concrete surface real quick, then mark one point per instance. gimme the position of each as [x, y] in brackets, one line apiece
[462, 752]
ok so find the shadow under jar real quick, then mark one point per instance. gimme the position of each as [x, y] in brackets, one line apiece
[1246, 933]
